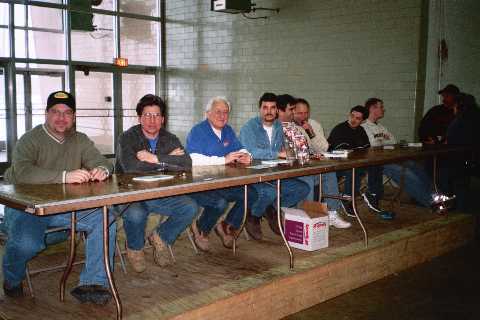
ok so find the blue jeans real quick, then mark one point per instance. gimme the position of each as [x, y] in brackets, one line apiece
[329, 186]
[359, 173]
[292, 191]
[180, 211]
[215, 202]
[26, 238]
[417, 183]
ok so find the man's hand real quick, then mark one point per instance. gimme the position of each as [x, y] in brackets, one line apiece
[429, 140]
[146, 156]
[233, 157]
[98, 174]
[244, 158]
[77, 176]
[282, 154]
[177, 152]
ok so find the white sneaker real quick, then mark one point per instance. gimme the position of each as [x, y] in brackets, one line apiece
[336, 221]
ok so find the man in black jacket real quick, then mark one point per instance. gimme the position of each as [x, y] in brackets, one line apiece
[148, 147]
[351, 135]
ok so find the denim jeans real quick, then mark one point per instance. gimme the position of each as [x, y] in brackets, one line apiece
[417, 183]
[215, 202]
[26, 238]
[180, 211]
[292, 191]
[359, 173]
[329, 186]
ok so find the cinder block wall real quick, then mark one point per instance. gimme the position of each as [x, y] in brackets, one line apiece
[335, 53]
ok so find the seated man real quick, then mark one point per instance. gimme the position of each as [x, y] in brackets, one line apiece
[417, 183]
[263, 138]
[351, 135]
[55, 152]
[213, 142]
[287, 107]
[148, 147]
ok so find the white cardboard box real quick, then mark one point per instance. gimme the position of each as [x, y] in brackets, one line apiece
[307, 228]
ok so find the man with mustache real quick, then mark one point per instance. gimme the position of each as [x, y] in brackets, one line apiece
[263, 138]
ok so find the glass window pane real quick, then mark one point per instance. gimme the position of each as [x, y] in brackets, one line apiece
[134, 86]
[94, 114]
[20, 46]
[3, 14]
[96, 46]
[144, 7]
[5, 47]
[19, 15]
[46, 45]
[49, 18]
[139, 41]
[3, 118]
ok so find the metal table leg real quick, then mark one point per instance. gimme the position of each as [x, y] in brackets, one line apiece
[245, 210]
[354, 206]
[106, 262]
[280, 226]
[71, 255]
[320, 190]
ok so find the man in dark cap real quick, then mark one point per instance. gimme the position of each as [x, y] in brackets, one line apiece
[433, 127]
[54, 152]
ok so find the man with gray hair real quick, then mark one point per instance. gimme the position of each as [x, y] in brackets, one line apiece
[213, 142]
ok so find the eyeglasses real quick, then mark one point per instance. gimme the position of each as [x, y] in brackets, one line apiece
[151, 115]
[58, 113]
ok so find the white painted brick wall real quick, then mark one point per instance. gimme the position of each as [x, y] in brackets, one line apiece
[336, 54]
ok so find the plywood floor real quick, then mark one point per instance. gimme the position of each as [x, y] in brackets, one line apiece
[197, 280]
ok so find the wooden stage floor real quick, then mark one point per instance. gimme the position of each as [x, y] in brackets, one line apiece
[256, 283]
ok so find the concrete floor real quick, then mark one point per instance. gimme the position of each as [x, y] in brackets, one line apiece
[446, 288]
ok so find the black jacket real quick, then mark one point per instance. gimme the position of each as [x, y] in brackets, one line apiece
[345, 137]
[133, 140]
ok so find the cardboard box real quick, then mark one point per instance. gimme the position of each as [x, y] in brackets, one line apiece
[307, 228]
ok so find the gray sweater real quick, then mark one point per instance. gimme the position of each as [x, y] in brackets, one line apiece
[133, 140]
[40, 158]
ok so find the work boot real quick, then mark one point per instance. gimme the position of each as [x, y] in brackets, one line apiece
[200, 238]
[271, 216]
[160, 250]
[13, 291]
[253, 227]
[226, 234]
[136, 258]
[92, 293]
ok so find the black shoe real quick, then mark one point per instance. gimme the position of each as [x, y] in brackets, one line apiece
[271, 216]
[253, 227]
[372, 202]
[11, 291]
[348, 208]
[93, 293]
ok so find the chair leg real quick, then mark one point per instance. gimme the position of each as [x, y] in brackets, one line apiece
[190, 237]
[120, 256]
[247, 237]
[29, 281]
[171, 253]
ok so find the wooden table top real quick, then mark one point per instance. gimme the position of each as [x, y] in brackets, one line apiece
[55, 198]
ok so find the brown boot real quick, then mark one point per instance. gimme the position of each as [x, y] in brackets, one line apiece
[253, 227]
[226, 234]
[271, 216]
[200, 238]
[136, 258]
[160, 250]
